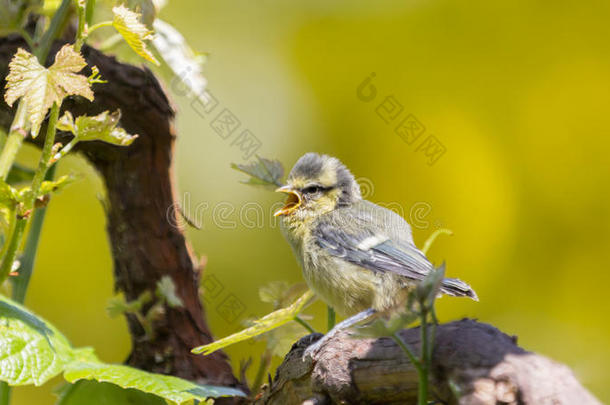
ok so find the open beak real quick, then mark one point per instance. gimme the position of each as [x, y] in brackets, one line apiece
[292, 202]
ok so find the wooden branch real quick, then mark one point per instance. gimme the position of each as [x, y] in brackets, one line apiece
[472, 364]
[141, 215]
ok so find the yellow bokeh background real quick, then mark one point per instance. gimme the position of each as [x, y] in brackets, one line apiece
[517, 92]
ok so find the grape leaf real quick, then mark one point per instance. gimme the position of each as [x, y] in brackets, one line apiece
[96, 393]
[128, 24]
[102, 127]
[31, 351]
[429, 288]
[268, 322]
[54, 186]
[166, 289]
[168, 387]
[264, 172]
[40, 87]
[8, 195]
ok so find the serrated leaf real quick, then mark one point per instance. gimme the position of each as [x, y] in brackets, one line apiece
[264, 172]
[66, 123]
[102, 127]
[40, 87]
[55, 186]
[171, 388]
[135, 33]
[8, 195]
[260, 326]
[117, 306]
[31, 350]
[146, 8]
[96, 393]
[184, 63]
[167, 290]
[280, 293]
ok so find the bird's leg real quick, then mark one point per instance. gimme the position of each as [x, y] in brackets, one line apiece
[313, 349]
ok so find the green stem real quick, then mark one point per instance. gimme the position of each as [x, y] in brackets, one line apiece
[305, 324]
[21, 282]
[80, 33]
[28, 38]
[331, 317]
[14, 140]
[89, 11]
[422, 391]
[5, 393]
[263, 369]
[47, 153]
[3, 137]
[64, 151]
[98, 26]
[58, 21]
[43, 165]
[433, 237]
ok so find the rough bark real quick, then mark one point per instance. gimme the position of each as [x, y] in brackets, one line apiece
[141, 215]
[472, 364]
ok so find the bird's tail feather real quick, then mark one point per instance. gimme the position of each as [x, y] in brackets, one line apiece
[458, 288]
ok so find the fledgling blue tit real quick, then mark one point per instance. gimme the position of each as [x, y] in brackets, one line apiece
[356, 256]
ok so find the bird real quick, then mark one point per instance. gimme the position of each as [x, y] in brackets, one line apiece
[357, 256]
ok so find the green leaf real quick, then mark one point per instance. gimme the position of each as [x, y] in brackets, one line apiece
[56, 185]
[260, 326]
[166, 289]
[168, 387]
[146, 8]
[264, 172]
[117, 305]
[102, 127]
[9, 197]
[429, 288]
[96, 393]
[128, 24]
[40, 87]
[31, 350]
[280, 294]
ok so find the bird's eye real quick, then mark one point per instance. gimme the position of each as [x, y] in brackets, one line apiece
[312, 189]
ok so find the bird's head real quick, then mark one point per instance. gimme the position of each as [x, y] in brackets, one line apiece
[318, 184]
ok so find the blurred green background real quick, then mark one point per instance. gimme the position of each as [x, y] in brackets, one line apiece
[516, 92]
